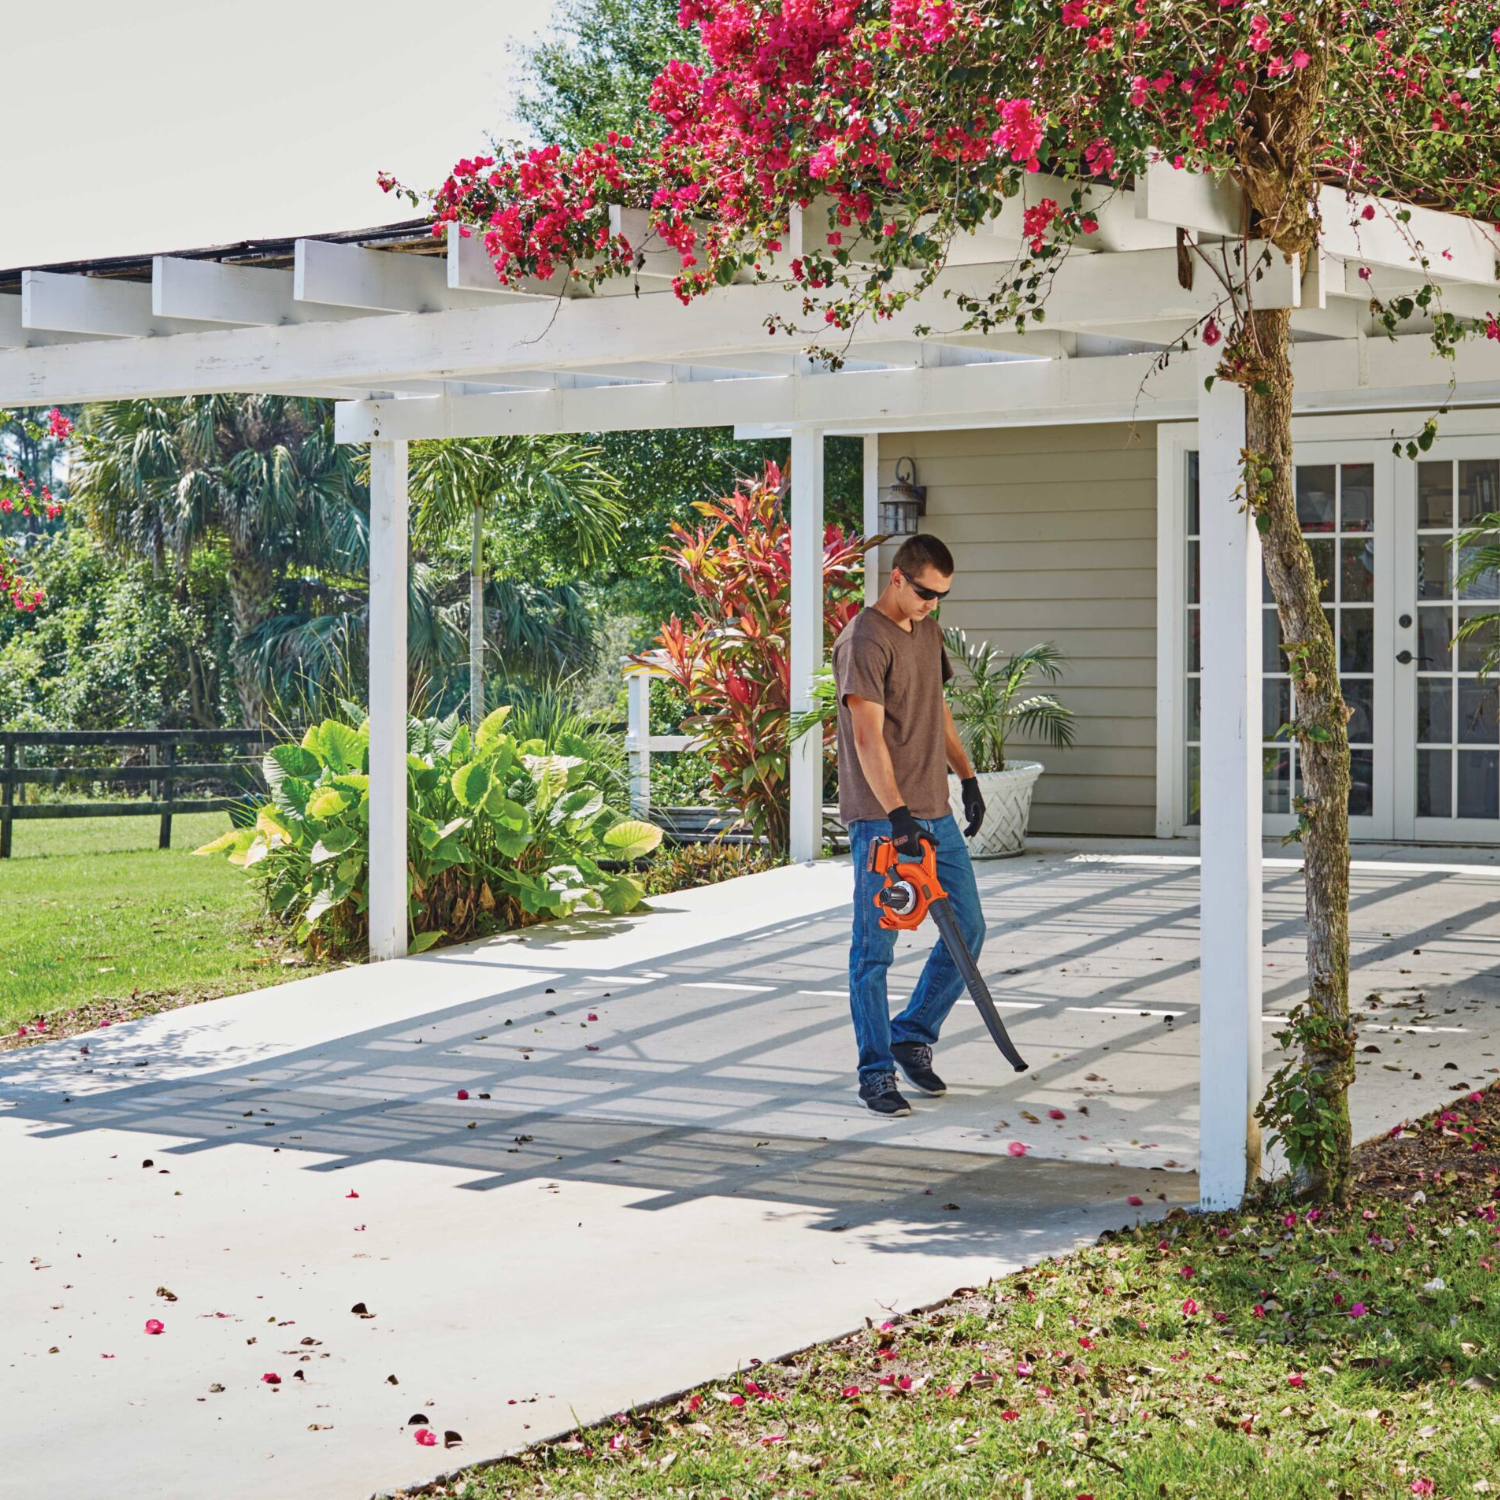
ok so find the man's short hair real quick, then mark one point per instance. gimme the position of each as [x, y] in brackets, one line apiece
[923, 551]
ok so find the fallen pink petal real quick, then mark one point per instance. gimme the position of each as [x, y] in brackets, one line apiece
[270, 1378]
[351, 1194]
[1056, 1114]
[462, 1094]
[155, 1325]
[1135, 1202]
[1016, 1149]
[426, 1437]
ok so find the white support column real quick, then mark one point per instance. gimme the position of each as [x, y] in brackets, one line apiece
[638, 740]
[806, 833]
[388, 705]
[874, 582]
[1229, 976]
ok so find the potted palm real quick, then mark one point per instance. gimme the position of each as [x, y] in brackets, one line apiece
[985, 696]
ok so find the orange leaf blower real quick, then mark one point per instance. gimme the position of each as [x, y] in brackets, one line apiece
[911, 890]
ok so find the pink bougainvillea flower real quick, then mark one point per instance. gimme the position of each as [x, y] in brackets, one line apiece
[462, 1094]
[1211, 334]
[270, 1378]
[1297, 1380]
[1056, 1114]
[1189, 1308]
[850, 1391]
[106, 1356]
[1135, 1202]
[1257, 1311]
[155, 1325]
[592, 1016]
[1016, 1149]
[1010, 1416]
[736, 1400]
[426, 1437]
[1023, 1370]
[694, 1402]
[351, 1194]
[1422, 1486]
[1358, 1310]
[1215, 1379]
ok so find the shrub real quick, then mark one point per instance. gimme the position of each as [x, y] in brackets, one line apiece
[501, 833]
[692, 865]
[731, 660]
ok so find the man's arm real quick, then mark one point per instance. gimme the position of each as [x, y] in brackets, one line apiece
[868, 718]
[958, 760]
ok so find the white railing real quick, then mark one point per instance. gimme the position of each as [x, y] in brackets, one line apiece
[639, 741]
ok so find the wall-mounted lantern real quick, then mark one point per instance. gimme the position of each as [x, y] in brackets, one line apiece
[905, 503]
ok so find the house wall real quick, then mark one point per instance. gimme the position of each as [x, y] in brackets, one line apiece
[1054, 533]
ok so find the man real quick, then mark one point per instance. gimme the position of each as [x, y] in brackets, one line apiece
[896, 742]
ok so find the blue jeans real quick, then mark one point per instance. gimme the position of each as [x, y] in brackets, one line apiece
[874, 946]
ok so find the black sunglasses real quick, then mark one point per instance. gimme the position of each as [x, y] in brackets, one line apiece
[921, 591]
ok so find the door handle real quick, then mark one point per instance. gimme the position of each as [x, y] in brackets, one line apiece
[1404, 657]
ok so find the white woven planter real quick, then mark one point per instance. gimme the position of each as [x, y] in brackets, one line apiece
[1007, 807]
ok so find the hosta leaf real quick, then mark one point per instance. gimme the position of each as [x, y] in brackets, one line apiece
[471, 783]
[632, 838]
[237, 840]
[492, 728]
[339, 746]
[621, 893]
[327, 802]
[294, 760]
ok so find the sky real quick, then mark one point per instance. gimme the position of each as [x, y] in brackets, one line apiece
[161, 125]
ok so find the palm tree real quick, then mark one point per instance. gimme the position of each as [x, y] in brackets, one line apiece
[556, 483]
[260, 474]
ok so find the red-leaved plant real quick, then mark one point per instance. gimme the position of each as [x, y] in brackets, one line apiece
[731, 660]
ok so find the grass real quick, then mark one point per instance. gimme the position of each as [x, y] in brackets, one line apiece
[1269, 1354]
[101, 922]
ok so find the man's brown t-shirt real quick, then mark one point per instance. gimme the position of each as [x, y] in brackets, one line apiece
[904, 671]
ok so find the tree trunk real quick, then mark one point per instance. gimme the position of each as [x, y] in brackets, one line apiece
[1322, 747]
[251, 589]
[476, 618]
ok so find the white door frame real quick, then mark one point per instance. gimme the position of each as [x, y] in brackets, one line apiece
[1378, 430]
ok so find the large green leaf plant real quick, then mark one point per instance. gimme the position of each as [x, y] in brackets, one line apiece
[500, 833]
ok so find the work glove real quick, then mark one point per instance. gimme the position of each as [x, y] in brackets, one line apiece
[973, 805]
[905, 832]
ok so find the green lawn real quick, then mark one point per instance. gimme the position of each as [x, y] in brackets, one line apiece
[93, 911]
[1264, 1355]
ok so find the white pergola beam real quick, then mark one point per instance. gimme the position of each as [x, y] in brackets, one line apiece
[469, 269]
[377, 280]
[1455, 248]
[805, 652]
[1229, 969]
[207, 291]
[53, 302]
[14, 334]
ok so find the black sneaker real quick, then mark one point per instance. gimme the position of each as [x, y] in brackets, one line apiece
[915, 1060]
[883, 1098]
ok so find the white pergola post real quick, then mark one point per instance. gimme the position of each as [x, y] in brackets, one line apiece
[388, 705]
[873, 580]
[806, 653]
[1230, 799]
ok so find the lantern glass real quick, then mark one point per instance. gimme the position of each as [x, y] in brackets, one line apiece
[899, 515]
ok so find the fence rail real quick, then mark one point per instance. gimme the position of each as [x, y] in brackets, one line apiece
[161, 775]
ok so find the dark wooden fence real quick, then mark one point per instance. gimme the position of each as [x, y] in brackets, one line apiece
[164, 770]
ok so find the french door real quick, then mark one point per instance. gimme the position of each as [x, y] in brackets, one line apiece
[1345, 504]
[1447, 708]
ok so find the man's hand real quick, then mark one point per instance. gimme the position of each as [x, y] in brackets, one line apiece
[973, 806]
[905, 832]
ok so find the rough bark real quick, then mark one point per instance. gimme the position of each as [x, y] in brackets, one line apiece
[1322, 744]
[251, 590]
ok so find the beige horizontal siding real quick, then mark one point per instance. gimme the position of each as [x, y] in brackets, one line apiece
[1054, 531]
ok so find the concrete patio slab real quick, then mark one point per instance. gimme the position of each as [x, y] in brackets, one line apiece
[660, 1172]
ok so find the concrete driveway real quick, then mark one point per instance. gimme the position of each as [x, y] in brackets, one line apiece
[660, 1172]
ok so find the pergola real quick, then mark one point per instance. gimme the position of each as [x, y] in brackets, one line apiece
[414, 337]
